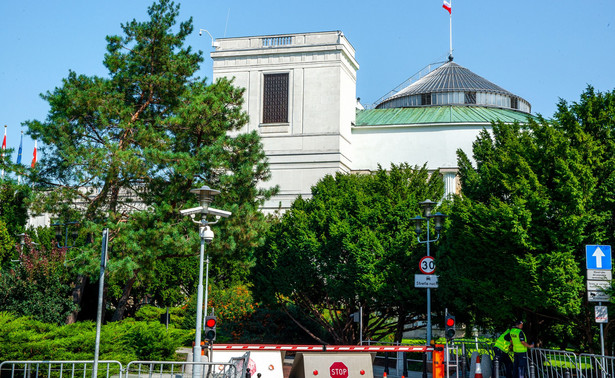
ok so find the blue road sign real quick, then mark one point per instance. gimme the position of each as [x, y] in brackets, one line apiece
[598, 256]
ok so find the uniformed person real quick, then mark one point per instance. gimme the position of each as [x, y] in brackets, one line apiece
[520, 346]
[502, 347]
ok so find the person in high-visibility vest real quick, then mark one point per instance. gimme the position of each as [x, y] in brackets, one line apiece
[520, 347]
[501, 348]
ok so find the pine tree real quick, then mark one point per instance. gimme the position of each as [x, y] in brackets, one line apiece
[122, 152]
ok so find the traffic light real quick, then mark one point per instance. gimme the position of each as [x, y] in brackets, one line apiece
[210, 328]
[449, 326]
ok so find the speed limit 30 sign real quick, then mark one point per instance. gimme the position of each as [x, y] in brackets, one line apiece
[427, 265]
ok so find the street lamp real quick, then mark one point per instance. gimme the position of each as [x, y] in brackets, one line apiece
[205, 196]
[438, 218]
[66, 225]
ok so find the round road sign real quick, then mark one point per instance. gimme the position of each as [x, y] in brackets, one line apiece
[427, 265]
[338, 370]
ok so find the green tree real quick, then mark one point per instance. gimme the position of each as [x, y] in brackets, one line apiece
[537, 194]
[14, 206]
[7, 245]
[123, 151]
[35, 286]
[352, 244]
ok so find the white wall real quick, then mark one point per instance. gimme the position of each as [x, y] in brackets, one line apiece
[322, 95]
[435, 145]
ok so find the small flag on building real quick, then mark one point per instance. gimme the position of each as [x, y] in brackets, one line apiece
[446, 5]
[4, 141]
[34, 156]
[19, 151]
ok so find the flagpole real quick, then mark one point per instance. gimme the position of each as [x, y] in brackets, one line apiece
[450, 31]
[3, 149]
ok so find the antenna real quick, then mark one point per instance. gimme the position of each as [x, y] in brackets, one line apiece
[228, 14]
[213, 41]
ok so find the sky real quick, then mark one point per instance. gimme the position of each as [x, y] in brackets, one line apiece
[537, 49]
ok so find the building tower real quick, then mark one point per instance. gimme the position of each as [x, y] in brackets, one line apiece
[300, 96]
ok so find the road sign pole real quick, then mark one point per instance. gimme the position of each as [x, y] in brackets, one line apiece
[428, 294]
[601, 334]
[599, 275]
[101, 288]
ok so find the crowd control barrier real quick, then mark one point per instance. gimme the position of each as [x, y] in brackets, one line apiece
[59, 369]
[235, 368]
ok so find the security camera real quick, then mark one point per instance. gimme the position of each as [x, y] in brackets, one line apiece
[207, 234]
[218, 213]
[200, 33]
[193, 210]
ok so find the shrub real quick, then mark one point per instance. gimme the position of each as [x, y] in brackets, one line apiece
[23, 338]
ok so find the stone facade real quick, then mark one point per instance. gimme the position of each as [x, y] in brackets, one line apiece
[315, 140]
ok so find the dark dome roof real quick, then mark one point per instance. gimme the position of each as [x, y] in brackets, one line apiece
[453, 78]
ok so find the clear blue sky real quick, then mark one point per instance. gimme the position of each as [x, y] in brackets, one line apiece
[539, 50]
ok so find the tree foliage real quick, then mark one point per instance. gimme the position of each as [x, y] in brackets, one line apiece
[122, 152]
[7, 245]
[28, 338]
[537, 194]
[350, 245]
[14, 206]
[36, 284]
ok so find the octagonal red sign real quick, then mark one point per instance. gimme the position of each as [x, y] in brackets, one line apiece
[338, 370]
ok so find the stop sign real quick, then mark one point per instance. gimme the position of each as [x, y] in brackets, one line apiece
[338, 370]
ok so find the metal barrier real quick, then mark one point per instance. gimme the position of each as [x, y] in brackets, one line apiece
[453, 361]
[235, 368]
[59, 369]
[594, 366]
[466, 349]
[547, 363]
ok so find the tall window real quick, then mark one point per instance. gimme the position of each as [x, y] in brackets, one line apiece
[514, 103]
[275, 98]
[470, 98]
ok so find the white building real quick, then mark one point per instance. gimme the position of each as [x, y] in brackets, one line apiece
[301, 97]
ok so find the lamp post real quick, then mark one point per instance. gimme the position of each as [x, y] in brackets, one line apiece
[438, 218]
[205, 196]
[66, 225]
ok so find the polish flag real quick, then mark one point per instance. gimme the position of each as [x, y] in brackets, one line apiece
[447, 6]
[34, 156]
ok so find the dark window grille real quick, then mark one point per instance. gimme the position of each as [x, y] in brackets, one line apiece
[470, 98]
[275, 98]
[514, 103]
[426, 99]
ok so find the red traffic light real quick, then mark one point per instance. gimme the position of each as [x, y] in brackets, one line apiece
[210, 322]
[450, 322]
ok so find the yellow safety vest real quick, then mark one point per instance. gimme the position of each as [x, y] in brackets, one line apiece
[515, 336]
[502, 343]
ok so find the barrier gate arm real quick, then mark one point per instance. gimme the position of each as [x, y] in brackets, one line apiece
[326, 348]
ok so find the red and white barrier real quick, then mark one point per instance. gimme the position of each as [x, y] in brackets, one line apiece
[326, 348]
